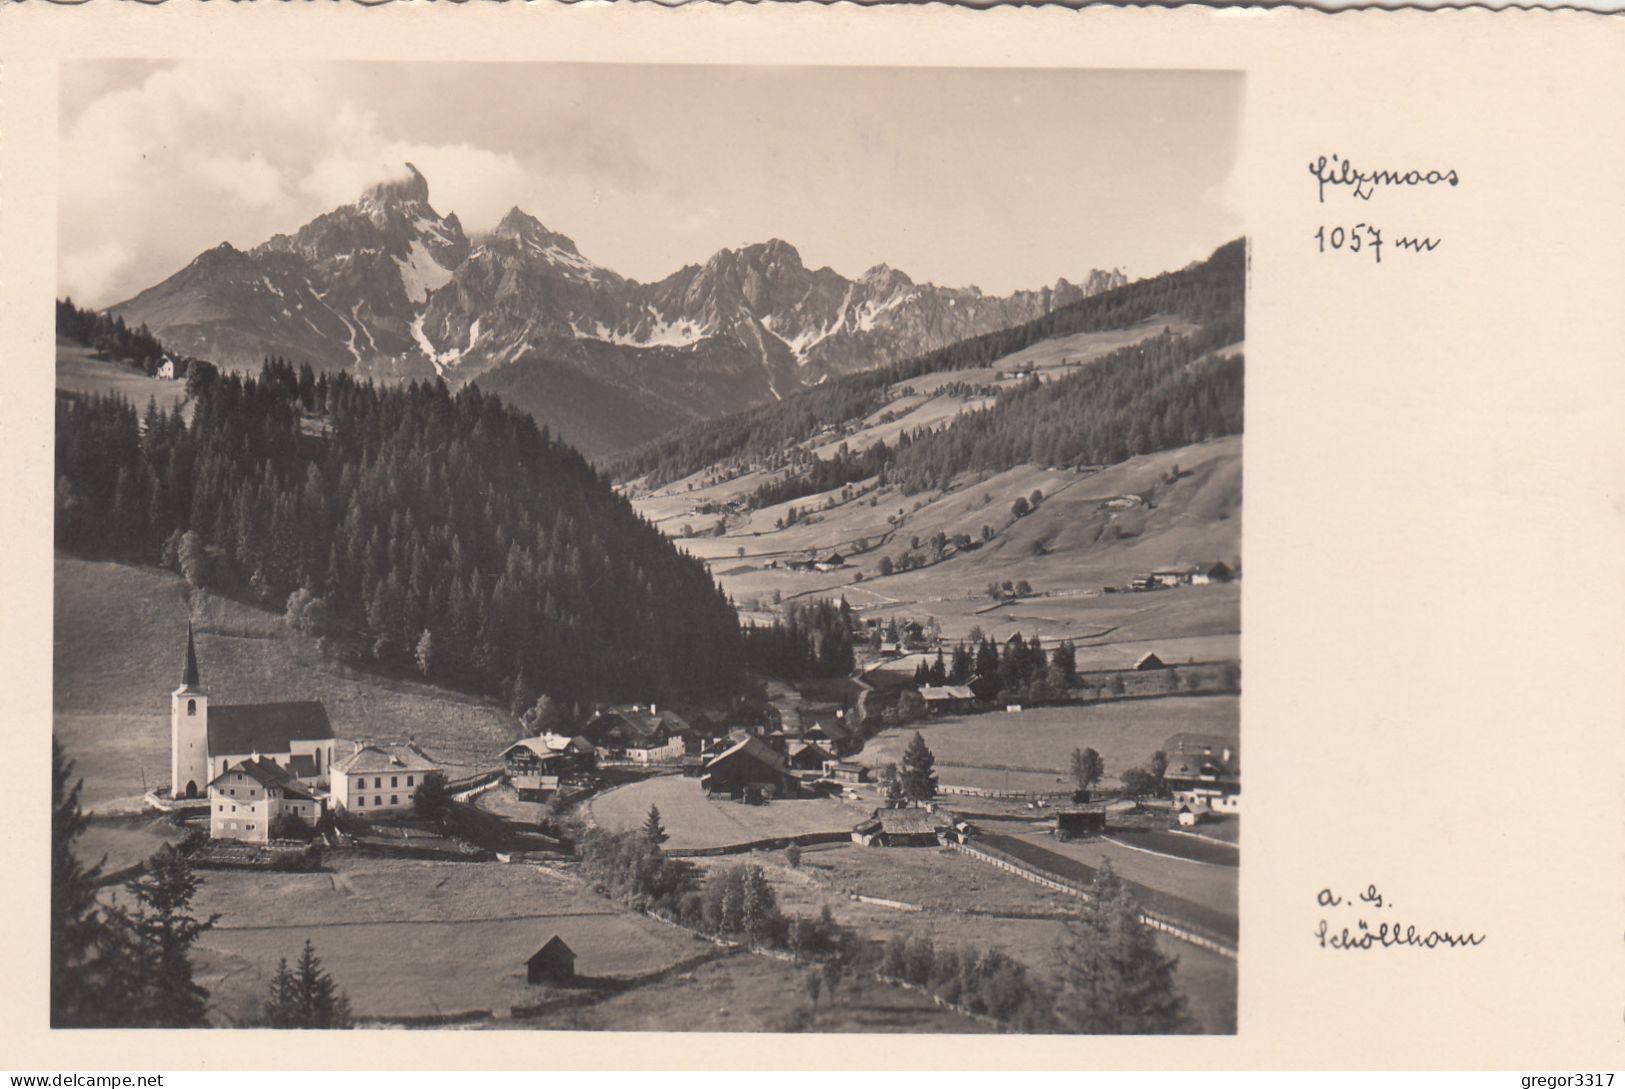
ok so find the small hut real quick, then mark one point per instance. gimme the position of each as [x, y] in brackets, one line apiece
[554, 962]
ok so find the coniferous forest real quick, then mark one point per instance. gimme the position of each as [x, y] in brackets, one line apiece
[440, 533]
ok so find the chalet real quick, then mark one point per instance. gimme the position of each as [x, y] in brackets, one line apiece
[947, 699]
[1212, 572]
[903, 828]
[1204, 772]
[204, 741]
[750, 770]
[166, 369]
[913, 633]
[830, 561]
[984, 688]
[645, 735]
[536, 765]
[1149, 660]
[1080, 821]
[808, 756]
[248, 796]
[1174, 576]
[554, 962]
[378, 779]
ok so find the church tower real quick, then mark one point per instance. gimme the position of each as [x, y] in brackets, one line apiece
[189, 731]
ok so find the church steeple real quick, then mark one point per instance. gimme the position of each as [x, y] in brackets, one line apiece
[190, 679]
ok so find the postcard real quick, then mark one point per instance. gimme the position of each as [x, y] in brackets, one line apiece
[727, 522]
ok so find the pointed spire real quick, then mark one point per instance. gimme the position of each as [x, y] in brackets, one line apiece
[190, 679]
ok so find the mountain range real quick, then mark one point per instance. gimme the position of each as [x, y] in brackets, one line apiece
[387, 287]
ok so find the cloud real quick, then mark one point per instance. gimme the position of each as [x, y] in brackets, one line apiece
[158, 169]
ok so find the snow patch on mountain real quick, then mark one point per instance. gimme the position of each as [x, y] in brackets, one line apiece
[421, 273]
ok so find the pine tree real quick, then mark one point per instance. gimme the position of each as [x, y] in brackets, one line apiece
[653, 830]
[162, 922]
[918, 776]
[318, 1003]
[1115, 978]
[78, 927]
[282, 1006]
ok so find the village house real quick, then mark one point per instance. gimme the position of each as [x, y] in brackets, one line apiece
[750, 770]
[1203, 772]
[1212, 572]
[641, 734]
[380, 780]
[947, 699]
[166, 369]
[910, 827]
[808, 756]
[534, 766]
[251, 795]
[205, 741]
[830, 561]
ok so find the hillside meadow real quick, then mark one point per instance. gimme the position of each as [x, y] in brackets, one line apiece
[120, 639]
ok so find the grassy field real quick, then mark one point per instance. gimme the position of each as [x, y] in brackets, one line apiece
[692, 820]
[79, 371]
[122, 842]
[1203, 883]
[408, 939]
[925, 874]
[750, 993]
[1124, 733]
[120, 636]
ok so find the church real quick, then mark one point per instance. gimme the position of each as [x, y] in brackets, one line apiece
[289, 741]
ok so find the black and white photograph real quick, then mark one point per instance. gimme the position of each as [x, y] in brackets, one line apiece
[647, 547]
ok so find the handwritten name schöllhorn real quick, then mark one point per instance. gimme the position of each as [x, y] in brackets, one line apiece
[1390, 936]
[1339, 171]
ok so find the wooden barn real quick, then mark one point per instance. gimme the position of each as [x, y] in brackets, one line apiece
[1080, 821]
[554, 962]
[750, 770]
[903, 828]
[1149, 660]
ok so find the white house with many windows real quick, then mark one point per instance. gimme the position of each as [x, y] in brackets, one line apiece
[380, 779]
[247, 797]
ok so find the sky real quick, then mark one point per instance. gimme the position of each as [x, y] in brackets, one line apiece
[1001, 178]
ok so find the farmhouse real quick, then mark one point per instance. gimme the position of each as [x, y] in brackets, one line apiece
[845, 771]
[375, 779]
[552, 963]
[830, 562]
[903, 828]
[1149, 660]
[749, 770]
[1174, 576]
[249, 796]
[166, 369]
[642, 735]
[808, 756]
[534, 765]
[1204, 772]
[947, 699]
[205, 741]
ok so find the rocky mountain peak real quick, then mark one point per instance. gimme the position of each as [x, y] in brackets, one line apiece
[411, 189]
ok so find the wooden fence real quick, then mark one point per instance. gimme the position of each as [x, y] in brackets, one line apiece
[1173, 927]
[806, 839]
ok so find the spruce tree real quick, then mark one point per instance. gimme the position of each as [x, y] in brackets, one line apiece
[78, 926]
[163, 923]
[1115, 979]
[653, 830]
[918, 776]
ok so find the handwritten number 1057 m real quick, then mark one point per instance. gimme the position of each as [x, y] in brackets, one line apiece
[1363, 237]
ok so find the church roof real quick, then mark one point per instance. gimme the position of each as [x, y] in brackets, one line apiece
[190, 677]
[266, 727]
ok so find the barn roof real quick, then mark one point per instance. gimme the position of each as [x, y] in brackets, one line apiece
[1148, 660]
[751, 748]
[1191, 754]
[266, 727]
[906, 822]
[553, 949]
[947, 692]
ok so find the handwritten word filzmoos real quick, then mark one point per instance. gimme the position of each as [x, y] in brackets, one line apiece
[1390, 936]
[1338, 171]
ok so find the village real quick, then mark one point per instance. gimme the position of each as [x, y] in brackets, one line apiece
[267, 793]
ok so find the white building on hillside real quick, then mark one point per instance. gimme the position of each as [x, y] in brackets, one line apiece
[376, 779]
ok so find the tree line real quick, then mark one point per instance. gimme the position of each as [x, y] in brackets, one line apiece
[427, 531]
[814, 639]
